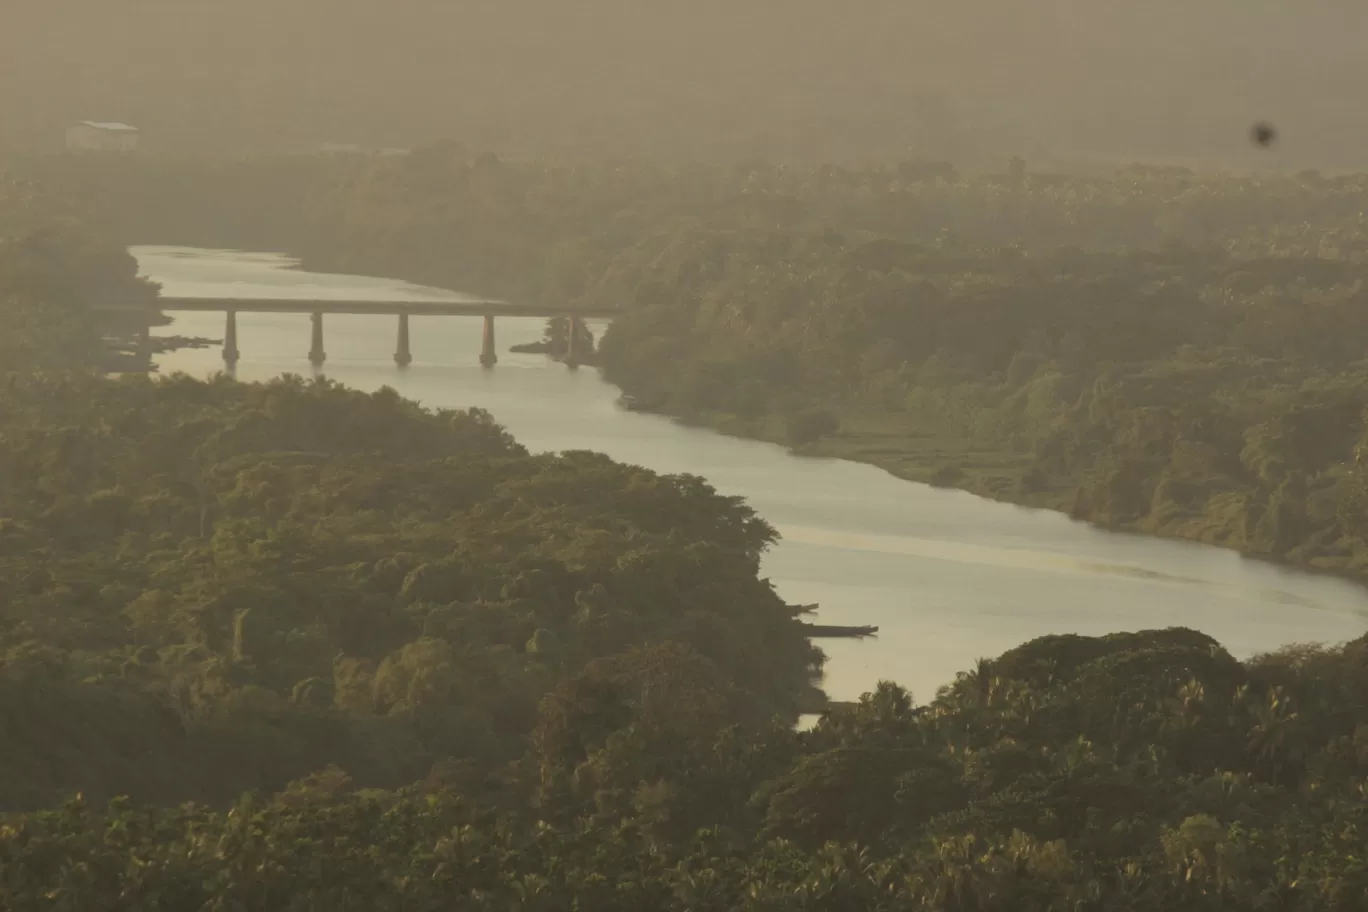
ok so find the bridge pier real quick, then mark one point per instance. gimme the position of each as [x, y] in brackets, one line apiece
[572, 330]
[489, 356]
[579, 348]
[145, 339]
[403, 356]
[230, 346]
[316, 353]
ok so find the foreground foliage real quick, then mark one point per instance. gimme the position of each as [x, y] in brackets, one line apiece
[214, 587]
[1145, 771]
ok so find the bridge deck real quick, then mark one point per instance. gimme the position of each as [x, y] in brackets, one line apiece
[412, 308]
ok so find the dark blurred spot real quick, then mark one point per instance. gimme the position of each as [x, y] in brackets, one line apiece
[1264, 135]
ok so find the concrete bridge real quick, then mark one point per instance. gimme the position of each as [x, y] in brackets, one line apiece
[402, 310]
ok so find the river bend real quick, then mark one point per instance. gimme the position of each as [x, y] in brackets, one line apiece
[948, 577]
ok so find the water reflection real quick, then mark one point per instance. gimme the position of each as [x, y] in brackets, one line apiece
[946, 576]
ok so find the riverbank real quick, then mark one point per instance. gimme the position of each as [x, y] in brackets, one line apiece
[995, 469]
[945, 576]
[123, 355]
[998, 474]
[1177, 355]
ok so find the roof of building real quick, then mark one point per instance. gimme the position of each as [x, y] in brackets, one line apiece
[117, 127]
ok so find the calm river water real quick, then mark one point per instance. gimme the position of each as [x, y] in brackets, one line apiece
[948, 577]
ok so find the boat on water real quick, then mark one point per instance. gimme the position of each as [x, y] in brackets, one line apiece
[829, 631]
[832, 632]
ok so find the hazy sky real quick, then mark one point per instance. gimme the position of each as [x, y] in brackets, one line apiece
[796, 79]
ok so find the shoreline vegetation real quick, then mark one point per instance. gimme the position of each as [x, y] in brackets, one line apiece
[1155, 350]
[290, 646]
[225, 586]
[555, 344]
[993, 475]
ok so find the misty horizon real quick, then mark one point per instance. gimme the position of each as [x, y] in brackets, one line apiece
[1058, 82]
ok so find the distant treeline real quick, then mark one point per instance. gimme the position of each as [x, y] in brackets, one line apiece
[1154, 349]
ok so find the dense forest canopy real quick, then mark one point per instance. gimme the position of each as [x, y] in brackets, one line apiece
[226, 586]
[290, 646]
[1156, 348]
[53, 266]
[1148, 771]
[799, 80]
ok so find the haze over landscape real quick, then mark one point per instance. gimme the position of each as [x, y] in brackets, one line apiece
[1056, 81]
[776, 457]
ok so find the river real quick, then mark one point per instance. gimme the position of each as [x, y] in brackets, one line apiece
[948, 577]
